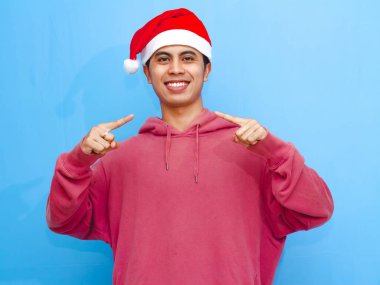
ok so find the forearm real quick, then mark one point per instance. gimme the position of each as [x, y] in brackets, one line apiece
[69, 206]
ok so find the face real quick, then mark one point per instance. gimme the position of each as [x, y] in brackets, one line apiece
[177, 74]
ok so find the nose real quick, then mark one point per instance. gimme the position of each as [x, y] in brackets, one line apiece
[176, 67]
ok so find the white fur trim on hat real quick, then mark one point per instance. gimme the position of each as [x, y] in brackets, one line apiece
[176, 37]
[131, 65]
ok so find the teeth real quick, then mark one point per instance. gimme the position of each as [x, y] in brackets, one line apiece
[176, 84]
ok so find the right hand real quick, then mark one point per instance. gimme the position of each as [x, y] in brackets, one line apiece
[99, 140]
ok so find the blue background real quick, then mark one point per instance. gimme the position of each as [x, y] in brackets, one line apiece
[307, 70]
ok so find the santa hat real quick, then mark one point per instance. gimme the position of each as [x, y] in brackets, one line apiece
[173, 27]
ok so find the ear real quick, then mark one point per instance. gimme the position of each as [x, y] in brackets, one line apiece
[147, 74]
[207, 72]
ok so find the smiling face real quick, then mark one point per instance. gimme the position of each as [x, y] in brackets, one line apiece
[177, 74]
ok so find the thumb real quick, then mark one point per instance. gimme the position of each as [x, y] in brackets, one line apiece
[114, 144]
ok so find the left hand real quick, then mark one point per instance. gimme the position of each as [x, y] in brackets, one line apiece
[250, 131]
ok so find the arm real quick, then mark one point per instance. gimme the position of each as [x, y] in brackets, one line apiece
[296, 197]
[77, 203]
[78, 200]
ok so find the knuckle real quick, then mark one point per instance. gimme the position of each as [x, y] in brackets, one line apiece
[88, 139]
[251, 139]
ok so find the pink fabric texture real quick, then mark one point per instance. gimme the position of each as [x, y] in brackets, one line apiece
[191, 207]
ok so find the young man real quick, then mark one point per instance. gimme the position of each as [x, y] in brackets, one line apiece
[196, 197]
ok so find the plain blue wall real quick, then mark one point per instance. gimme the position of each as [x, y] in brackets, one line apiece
[308, 70]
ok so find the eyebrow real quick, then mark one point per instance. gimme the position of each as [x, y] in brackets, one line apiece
[168, 54]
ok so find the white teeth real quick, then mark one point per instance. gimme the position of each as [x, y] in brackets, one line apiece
[176, 84]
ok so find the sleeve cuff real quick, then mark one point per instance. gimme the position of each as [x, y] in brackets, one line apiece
[78, 162]
[273, 149]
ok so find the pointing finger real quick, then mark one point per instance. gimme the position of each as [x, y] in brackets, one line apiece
[232, 119]
[118, 123]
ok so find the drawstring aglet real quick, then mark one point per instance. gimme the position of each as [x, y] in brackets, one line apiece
[167, 165]
[196, 179]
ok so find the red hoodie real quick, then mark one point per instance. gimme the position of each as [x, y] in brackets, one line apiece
[191, 207]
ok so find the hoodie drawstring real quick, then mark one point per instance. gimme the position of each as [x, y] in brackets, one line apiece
[196, 151]
[167, 146]
[196, 156]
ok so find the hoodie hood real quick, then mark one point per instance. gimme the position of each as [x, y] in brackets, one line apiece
[205, 122]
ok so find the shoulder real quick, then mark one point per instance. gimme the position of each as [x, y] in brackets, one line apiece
[222, 142]
[130, 147]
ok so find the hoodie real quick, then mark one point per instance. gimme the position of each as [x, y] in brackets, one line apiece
[189, 207]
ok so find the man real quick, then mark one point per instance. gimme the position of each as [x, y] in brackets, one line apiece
[196, 197]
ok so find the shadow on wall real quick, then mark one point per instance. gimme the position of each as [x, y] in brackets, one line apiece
[28, 249]
[299, 249]
[102, 91]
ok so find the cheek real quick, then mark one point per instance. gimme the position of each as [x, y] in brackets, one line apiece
[198, 74]
[156, 73]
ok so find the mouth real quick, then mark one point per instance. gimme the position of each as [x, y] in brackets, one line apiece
[177, 85]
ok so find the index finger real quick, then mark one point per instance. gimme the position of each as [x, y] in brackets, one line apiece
[232, 119]
[118, 123]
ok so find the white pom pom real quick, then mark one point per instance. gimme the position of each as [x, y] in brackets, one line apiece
[131, 65]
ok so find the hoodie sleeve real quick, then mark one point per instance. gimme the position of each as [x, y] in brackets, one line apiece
[77, 203]
[296, 197]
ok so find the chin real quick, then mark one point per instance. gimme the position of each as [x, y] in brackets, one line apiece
[178, 103]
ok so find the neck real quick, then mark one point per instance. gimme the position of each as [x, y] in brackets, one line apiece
[181, 117]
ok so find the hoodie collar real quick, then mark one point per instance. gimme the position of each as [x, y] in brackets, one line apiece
[208, 122]
[205, 122]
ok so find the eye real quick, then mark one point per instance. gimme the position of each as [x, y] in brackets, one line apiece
[188, 58]
[163, 59]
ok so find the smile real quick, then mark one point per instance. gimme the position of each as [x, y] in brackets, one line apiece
[177, 85]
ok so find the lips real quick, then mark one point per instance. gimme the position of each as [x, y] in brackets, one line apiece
[177, 85]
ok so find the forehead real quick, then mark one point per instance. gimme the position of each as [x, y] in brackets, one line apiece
[177, 49]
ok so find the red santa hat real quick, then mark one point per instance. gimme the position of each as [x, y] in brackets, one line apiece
[173, 27]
